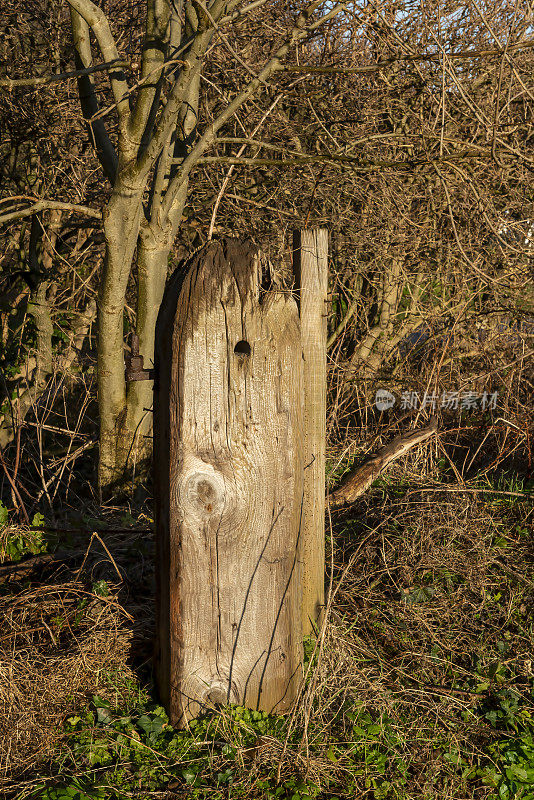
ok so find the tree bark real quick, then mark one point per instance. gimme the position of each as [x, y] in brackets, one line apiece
[152, 265]
[125, 410]
[121, 227]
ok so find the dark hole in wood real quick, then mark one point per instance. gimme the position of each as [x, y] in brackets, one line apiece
[266, 283]
[242, 348]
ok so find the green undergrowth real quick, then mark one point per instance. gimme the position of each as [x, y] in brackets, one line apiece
[122, 745]
[116, 751]
[18, 542]
[21, 541]
[129, 750]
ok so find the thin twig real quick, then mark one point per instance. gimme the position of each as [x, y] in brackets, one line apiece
[387, 62]
[14, 487]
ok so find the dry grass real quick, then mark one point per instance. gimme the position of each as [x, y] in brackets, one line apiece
[57, 643]
[436, 590]
[428, 585]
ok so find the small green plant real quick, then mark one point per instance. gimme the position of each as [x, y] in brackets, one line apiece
[376, 755]
[4, 515]
[508, 764]
[510, 767]
[75, 791]
[114, 751]
[17, 542]
[101, 588]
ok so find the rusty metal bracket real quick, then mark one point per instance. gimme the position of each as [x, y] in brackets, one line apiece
[135, 370]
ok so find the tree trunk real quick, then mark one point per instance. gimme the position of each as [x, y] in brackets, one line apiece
[121, 228]
[152, 262]
[125, 411]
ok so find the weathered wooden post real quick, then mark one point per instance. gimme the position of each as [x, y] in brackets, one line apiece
[310, 265]
[229, 466]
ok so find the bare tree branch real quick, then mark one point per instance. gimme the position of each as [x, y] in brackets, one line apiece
[152, 61]
[43, 80]
[229, 173]
[299, 31]
[104, 148]
[44, 205]
[353, 161]
[97, 21]
[241, 12]
[387, 62]
[167, 120]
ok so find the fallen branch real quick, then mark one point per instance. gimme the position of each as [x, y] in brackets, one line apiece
[360, 479]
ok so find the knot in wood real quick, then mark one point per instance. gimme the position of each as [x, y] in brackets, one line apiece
[204, 493]
[217, 693]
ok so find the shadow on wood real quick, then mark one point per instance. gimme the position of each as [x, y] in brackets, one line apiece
[228, 469]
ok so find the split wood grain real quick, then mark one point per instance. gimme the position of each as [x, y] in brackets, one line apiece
[310, 264]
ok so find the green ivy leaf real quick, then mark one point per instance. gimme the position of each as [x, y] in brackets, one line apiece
[100, 702]
[491, 716]
[331, 756]
[515, 772]
[189, 776]
[151, 724]
[104, 716]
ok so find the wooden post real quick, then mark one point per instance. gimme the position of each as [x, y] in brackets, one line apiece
[310, 264]
[228, 487]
